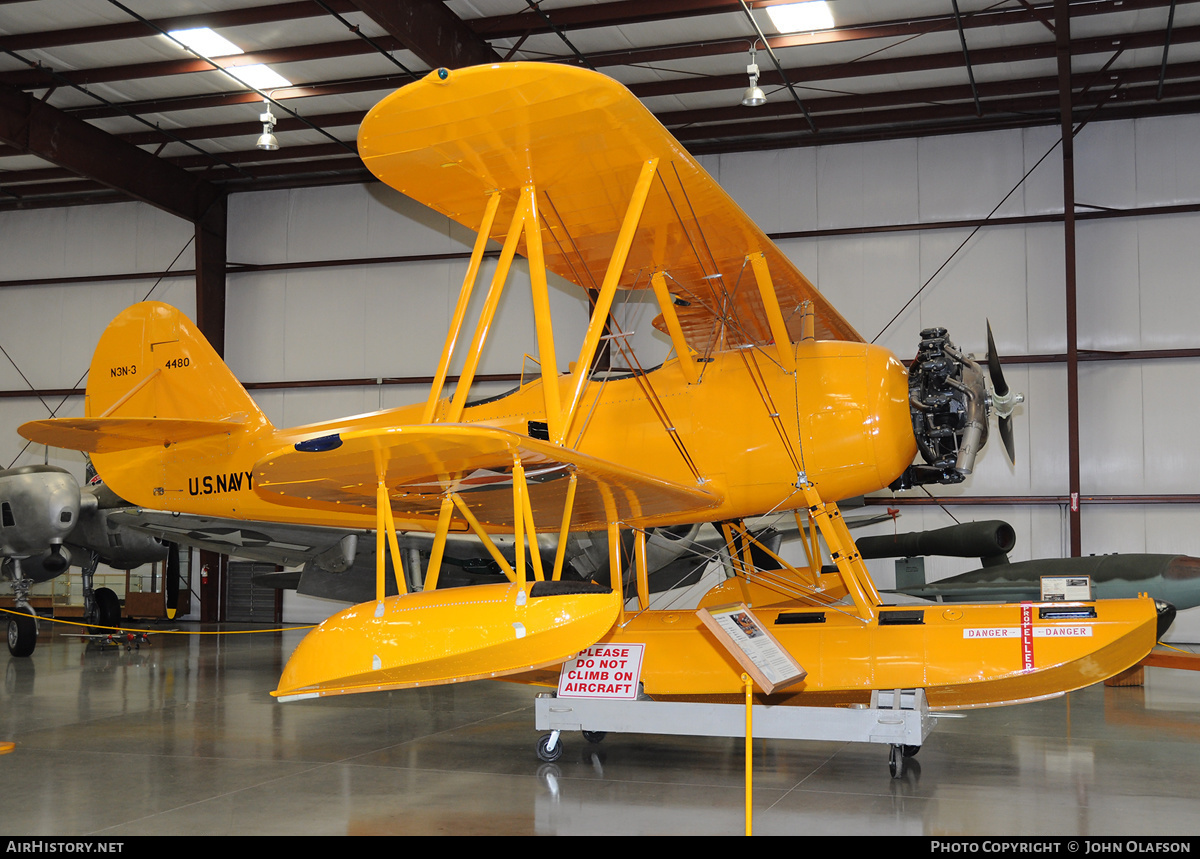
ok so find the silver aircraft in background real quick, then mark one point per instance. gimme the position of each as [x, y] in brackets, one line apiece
[47, 523]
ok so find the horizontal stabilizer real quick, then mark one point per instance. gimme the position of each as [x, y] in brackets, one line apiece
[109, 435]
[419, 464]
[448, 636]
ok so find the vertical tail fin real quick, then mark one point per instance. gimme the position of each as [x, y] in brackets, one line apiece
[153, 362]
[154, 381]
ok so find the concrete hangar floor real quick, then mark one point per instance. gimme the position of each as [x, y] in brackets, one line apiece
[182, 738]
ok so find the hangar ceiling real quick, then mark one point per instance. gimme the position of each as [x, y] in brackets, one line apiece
[97, 103]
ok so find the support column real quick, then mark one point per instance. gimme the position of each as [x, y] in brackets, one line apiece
[1062, 44]
[212, 586]
[211, 256]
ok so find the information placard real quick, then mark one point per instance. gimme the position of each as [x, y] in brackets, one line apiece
[1066, 588]
[753, 646]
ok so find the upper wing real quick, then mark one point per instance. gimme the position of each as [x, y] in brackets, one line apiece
[419, 463]
[582, 138]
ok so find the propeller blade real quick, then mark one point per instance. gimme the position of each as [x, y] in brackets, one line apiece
[1006, 435]
[1003, 400]
[994, 369]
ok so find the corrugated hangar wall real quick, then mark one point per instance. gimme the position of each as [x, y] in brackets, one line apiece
[1136, 291]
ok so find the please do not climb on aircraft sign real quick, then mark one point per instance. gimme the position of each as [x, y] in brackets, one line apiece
[603, 671]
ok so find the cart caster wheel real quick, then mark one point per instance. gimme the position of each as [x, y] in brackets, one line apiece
[910, 751]
[896, 761]
[595, 736]
[547, 754]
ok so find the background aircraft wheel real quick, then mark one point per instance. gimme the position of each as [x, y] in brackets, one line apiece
[896, 761]
[595, 736]
[108, 609]
[22, 634]
[547, 754]
[910, 751]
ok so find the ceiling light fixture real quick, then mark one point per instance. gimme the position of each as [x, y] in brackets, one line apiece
[266, 140]
[801, 17]
[754, 96]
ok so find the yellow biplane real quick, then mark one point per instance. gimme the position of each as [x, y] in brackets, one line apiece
[772, 402]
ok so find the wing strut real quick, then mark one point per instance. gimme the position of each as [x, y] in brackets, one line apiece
[385, 524]
[460, 310]
[671, 319]
[565, 528]
[783, 342]
[608, 290]
[486, 317]
[843, 551]
[439, 543]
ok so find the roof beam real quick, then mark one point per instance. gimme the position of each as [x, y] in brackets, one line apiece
[36, 128]
[137, 30]
[626, 12]
[431, 31]
[689, 84]
[34, 78]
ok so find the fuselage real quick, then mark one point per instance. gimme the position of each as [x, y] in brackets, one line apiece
[745, 433]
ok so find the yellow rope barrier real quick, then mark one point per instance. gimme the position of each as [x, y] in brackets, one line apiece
[159, 631]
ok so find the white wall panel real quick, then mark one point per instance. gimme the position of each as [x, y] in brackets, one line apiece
[966, 175]
[805, 254]
[34, 244]
[1042, 189]
[1116, 529]
[258, 228]
[1137, 427]
[1171, 413]
[1168, 171]
[867, 183]
[1110, 429]
[1043, 416]
[985, 280]
[868, 281]
[1045, 293]
[776, 188]
[397, 225]
[1169, 261]
[254, 325]
[323, 323]
[314, 405]
[1108, 296]
[326, 223]
[406, 313]
[1105, 174]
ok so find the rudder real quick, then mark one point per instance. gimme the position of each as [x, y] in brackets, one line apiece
[153, 362]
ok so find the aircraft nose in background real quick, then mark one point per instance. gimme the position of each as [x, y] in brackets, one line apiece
[1166, 616]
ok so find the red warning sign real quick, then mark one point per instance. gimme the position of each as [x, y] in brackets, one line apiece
[1026, 637]
[603, 671]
